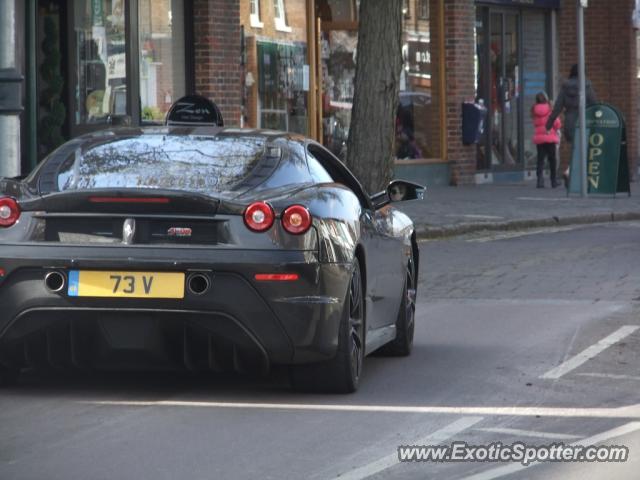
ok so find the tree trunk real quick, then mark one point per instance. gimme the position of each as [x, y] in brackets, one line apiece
[378, 63]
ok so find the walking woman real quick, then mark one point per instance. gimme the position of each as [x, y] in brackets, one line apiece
[569, 101]
[545, 140]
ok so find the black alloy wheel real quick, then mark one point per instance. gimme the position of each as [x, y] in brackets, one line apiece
[342, 373]
[402, 345]
[356, 324]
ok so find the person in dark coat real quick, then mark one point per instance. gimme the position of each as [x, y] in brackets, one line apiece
[569, 101]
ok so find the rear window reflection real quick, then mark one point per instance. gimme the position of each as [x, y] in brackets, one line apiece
[191, 163]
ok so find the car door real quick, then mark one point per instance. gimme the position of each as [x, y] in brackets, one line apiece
[390, 263]
[383, 249]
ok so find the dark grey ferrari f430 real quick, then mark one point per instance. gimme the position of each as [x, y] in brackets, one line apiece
[204, 248]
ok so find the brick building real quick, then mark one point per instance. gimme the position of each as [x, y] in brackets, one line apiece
[611, 61]
[289, 64]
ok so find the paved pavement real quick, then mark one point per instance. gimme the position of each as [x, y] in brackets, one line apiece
[450, 211]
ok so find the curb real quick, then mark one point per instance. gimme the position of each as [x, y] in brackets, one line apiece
[426, 232]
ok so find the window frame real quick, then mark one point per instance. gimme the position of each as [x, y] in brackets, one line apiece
[423, 9]
[254, 17]
[132, 50]
[280, 19]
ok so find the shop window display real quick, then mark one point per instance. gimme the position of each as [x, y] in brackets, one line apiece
[102, 46]
[535, 78]
[338, 53]
[162, 65]
[415, 115]
[281, 86]
[100, 60]
[512, 65]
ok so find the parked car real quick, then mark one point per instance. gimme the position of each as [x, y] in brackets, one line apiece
[204, 248]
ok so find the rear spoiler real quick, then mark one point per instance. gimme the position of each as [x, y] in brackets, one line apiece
[125, 201]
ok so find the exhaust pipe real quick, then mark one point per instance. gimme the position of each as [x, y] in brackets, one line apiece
[55, 281]
[198, 283]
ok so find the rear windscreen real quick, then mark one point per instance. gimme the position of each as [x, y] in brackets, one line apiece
[191, 163]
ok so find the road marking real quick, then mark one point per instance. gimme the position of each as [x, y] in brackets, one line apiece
[631, 411]
[606, 307]
[609, 375]
[529, 433]
[543, 199]
[590, 352]
[596, 439]
[436, 438]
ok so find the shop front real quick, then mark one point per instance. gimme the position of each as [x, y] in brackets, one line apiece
[514, 61]
[417, 135]
[338, 46]
[107, 62]
[282, 86]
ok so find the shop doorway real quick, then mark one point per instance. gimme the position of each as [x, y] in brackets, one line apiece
[513, 64]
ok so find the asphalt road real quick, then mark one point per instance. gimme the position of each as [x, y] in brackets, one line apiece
[525, 336]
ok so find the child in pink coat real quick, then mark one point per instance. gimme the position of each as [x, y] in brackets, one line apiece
[545, 140]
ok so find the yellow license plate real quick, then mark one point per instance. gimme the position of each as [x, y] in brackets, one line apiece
[86, 283]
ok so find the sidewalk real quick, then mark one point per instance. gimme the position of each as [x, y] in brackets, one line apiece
[448, 211]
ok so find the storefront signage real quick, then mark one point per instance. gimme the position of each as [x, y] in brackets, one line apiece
[419, 58]
[525, 3]
[607, 162]
[194, 110]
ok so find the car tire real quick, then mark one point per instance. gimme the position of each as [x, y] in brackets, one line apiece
[402, 345]
[342, 373]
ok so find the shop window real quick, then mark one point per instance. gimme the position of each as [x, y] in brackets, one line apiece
[280, 17]
[254, 14]
[51, 61]
[103, 46]
[416, 119]
[101, 60]
[162, 59]
[282, 94]
[535, 78]
[338, 55]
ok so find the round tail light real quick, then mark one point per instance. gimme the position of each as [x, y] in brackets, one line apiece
[296, 219]
[9, 211]
[259, 217]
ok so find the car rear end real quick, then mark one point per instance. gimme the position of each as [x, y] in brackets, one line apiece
[155, 278]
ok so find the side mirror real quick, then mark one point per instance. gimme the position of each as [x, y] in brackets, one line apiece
[402, 190]
[398, 191]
